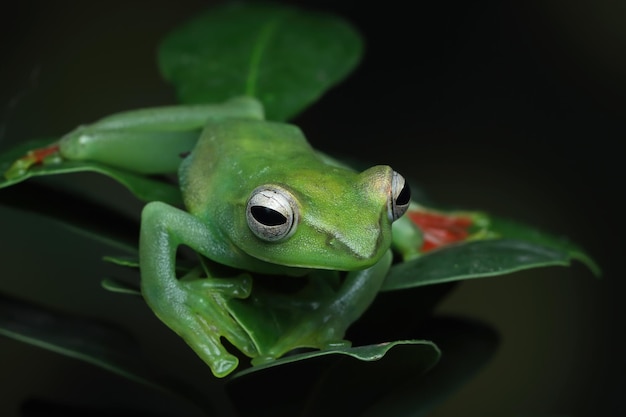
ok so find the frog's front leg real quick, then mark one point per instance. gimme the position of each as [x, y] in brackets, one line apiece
[326, 325]
[195, 309]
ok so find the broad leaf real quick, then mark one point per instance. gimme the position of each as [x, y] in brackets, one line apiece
[514, 230]
[120, 287]
[75, 212]
[518, 247]
[143, 187]
[96, 343]
[285, 57]
[466, 347]
[333, 382]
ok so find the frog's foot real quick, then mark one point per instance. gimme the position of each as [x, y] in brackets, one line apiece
[196, 311]
[34, 157]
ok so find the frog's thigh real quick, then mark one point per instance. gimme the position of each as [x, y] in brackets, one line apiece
[145, 152]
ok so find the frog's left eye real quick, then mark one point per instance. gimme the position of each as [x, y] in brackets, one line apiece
[400, 197]
[272, 213]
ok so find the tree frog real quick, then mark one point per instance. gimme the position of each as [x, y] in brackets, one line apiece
[258, 199]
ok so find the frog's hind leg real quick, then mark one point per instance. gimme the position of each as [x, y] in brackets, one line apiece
[143, 152]
[151, 140]
[143, 141]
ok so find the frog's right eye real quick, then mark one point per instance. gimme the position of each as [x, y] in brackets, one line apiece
[400, 197]
[272, 213]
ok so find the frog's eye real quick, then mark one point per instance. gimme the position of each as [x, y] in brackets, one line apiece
[400, 197]
[272, 213]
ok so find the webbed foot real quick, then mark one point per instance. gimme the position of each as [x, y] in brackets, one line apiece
[196, 311]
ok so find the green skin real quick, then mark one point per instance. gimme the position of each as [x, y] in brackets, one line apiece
[343, 223]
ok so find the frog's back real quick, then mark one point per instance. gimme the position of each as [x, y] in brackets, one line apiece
[233, 155]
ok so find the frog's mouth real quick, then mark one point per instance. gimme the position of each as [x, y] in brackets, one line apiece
[366, 250]
[339, 252]
[361, 252]
[344, 247]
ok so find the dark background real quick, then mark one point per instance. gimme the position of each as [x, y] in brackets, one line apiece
[515, 108]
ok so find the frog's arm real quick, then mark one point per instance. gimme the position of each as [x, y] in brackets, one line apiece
[146, 141]
[406, 238]
[326, 325]
[197, 310]
[193, 309]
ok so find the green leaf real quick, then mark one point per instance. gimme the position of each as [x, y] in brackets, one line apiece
[75, 212]
[125, 261]
[143, 187]
[477, 259]
[519, 247]
[120, 287]
[466, 348]
[99, 344]
[332, 382]
[285, 57]
[363, 353]
[514, 230]
[269, 316]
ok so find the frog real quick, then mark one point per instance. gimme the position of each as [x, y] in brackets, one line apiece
[259, 201]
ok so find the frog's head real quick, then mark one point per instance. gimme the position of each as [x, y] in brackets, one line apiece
[337, 219]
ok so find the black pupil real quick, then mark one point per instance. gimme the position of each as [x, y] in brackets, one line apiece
[405, 196]
[267, 216]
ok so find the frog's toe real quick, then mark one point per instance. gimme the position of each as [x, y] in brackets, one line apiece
[224, 365]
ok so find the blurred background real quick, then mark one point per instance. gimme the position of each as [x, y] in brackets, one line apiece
[514, 108]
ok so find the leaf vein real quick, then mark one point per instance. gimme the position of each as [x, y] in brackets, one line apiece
[265, 35]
